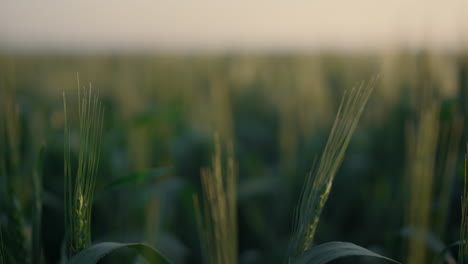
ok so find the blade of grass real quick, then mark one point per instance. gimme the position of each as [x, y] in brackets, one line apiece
[95, 253]
[331, 251]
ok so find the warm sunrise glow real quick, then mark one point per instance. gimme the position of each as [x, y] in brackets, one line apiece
[210, 24]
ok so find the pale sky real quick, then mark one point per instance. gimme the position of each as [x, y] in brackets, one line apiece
[228, 25]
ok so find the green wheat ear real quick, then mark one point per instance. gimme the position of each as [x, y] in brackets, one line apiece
[79, 187]
[319, 181]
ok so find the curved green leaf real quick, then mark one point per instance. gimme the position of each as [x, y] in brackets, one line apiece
[327, 252]
[96, 252]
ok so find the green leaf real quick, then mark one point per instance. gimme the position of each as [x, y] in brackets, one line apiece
[95, 253]
[334, 250]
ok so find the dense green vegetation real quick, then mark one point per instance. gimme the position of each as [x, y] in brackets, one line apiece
[233, 159]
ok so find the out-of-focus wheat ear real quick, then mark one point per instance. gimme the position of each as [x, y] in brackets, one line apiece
[319, 181]
[232, 204]
[463, 250]
[217, 217]
[204, 236]
[422, 146]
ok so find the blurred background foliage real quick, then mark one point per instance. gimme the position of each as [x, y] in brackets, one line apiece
[160, 116]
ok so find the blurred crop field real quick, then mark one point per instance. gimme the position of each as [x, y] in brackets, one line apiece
[163, 113]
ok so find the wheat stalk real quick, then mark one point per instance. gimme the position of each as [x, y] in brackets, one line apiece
[79, 187]
[422, 142]
[318, 182]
